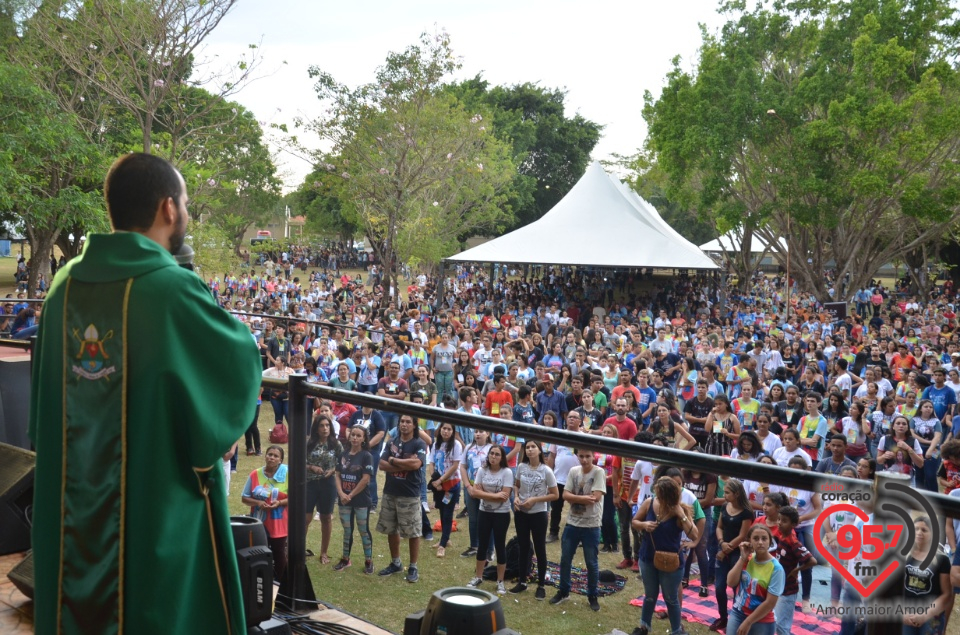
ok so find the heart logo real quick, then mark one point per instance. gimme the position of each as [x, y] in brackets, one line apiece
[837, 564]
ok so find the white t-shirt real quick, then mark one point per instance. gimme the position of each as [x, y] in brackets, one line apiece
[585, 485]
[782, 456]
[491, 483]
[534, 482]
[643, 475]
[565, 460]
[799, 498]
[771, 444]
[844, 383]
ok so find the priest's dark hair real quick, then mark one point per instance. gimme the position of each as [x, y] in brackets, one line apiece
[135, 186]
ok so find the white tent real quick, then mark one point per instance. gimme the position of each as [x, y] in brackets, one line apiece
[600, 222]
[731, 242]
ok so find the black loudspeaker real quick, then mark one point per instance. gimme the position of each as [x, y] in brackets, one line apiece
[16, 498]
[22, 575]
[256, 568]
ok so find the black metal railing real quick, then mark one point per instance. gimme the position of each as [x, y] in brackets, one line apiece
[299, 390]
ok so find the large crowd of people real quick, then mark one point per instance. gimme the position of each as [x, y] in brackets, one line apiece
[678, 362]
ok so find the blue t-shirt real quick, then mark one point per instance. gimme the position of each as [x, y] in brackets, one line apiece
[942, 399]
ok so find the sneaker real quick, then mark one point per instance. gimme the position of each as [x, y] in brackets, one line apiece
[594, 605]
[368, 567]
[390, 569]
[472, 551]
[704, 591]
[462, 514]
[475, 582]
[541, 593]
[552, 538]
[343, 564]
[413, 575]
[501, 589]
[316, 516]
[626, 563]
[719, 625]
[520, 587]
[559, 597]
[251, 452]
[428, 537]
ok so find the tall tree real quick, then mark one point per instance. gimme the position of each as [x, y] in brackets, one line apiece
[837, 120]
[46, 167]
[550, 149]
[142, 54]
[419, 168]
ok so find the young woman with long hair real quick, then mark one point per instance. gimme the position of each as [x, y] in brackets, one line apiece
[662, 520]
[354, 471]
[759, 580]
[323, 452]
[493, 485]
[474, 457]
[535, 486]
[899, 451]
[856, 428]
[736, 516]
[723, 427]
[928, 432]
[445, 481]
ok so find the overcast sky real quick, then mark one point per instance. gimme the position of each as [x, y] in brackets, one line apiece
[605, 53]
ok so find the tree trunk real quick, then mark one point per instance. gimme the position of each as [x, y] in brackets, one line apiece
[147, 129]
[71, 248]
[41, 244]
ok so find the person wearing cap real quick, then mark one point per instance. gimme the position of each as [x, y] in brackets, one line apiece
[549, 399]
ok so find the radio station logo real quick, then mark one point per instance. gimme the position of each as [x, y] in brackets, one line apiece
[868, 551]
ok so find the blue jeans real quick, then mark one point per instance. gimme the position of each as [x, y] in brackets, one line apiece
[703, 560]
[721, 569]
[572, 538]
[473, 514]
[927, 480]
[655, 584]
[805, 536]
[444, 381]
[736, 618]
[784, 610]
[280, 410]
[446, 514]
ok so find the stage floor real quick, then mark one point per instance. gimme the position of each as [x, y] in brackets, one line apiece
[16, 609]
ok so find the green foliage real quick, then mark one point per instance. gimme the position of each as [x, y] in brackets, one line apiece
[842, 117]
[213, 249]
[45, 162]
[418, 168]
[320, 198]
[551, 151]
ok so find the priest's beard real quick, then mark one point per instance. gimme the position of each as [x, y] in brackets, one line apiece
[179, 233]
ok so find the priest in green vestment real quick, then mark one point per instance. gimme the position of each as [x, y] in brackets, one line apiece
[140, 384]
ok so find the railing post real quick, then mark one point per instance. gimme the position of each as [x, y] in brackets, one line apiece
[296, 589]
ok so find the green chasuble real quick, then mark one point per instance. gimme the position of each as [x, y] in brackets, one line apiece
[140, 384]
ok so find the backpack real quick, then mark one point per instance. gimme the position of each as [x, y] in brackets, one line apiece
[278, 434]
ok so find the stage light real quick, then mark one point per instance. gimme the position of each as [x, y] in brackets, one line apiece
[460, 610]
